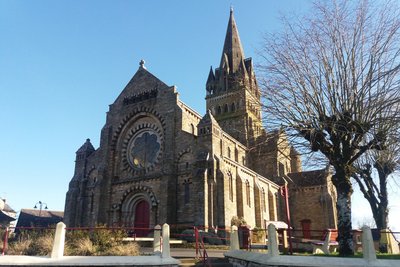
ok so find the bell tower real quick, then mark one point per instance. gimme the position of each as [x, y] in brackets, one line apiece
[232, 93]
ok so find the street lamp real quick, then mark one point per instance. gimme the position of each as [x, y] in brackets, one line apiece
[41, 204]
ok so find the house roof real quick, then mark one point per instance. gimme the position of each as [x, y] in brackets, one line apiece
[6, 216]
[39, 218]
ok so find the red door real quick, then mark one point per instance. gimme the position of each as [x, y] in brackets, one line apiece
[142, 218]
[306, 225]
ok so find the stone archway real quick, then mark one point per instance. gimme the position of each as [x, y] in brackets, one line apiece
[136, 214]
[142, 218]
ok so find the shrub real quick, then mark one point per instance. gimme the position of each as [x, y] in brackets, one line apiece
[82, 246]
[238, 221]
[41, 245]
[98, 242]
[31, 242]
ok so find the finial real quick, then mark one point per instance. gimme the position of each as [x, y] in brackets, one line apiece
[231, 9]
[141, 64]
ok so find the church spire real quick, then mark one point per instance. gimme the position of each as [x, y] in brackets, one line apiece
[232, 92]
[232, 50]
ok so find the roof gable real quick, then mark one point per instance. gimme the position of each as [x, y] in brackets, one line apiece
[142, 85]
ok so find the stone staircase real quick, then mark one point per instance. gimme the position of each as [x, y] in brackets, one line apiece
[215, 262]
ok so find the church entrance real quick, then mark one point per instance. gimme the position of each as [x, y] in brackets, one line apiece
[142, 218]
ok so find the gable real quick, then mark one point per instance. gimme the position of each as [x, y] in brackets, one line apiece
[142, 86]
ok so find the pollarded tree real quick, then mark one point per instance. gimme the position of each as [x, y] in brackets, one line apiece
[372, 172]
[331, 78]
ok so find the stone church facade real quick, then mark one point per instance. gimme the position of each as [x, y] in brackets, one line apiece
[159, 161]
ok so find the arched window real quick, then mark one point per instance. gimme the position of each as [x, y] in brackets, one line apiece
[219, 110]
[226, 108]
[264, 206]
[248, 193]
[271, 205]
[233, 107]
[91, 202]
[187, 191]
[192, 128]
[250, 122]
[230, 186]
[229, 152]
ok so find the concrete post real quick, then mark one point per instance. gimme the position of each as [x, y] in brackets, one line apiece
[273, 250]
[165, 244]
[59, 240]
[285, 241]
[368, 248]
[157, 238]
[234, 245]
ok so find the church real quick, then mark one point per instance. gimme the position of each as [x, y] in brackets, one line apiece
[159, 161]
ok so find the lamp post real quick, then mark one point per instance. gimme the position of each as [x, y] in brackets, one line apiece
[285, 194]
[41, 204]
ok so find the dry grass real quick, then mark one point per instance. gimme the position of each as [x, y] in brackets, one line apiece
[42, 246]
[78, 243]
[80, 247]
[123, 249]
[18, 247]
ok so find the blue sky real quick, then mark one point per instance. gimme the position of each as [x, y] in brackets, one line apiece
[63, 62]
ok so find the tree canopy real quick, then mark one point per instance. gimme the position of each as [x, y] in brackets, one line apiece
[332, 79]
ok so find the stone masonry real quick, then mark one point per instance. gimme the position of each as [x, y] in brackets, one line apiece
[159, 161]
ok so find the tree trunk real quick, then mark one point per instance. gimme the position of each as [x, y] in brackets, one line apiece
[341, 180]
[383, 212]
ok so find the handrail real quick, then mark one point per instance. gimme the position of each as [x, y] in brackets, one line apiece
[201, 247]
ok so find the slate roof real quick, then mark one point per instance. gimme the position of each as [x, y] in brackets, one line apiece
[208, 118]
[87, 147]
[6, 217]
[37, 218]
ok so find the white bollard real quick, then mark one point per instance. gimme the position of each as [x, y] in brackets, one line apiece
[59, 240]
[165, 244]
[273, 249]
[157, 238]
[234, 238]
[368, 247]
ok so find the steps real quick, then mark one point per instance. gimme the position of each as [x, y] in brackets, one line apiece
[187, 262]
[215, 262]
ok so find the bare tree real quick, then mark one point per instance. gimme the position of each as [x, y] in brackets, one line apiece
[332, 78]
[372, 172]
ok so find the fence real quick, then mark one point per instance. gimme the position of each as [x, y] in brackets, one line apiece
[248, 239]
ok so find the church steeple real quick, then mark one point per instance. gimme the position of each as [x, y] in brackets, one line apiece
[232, 50]
[232, 91]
